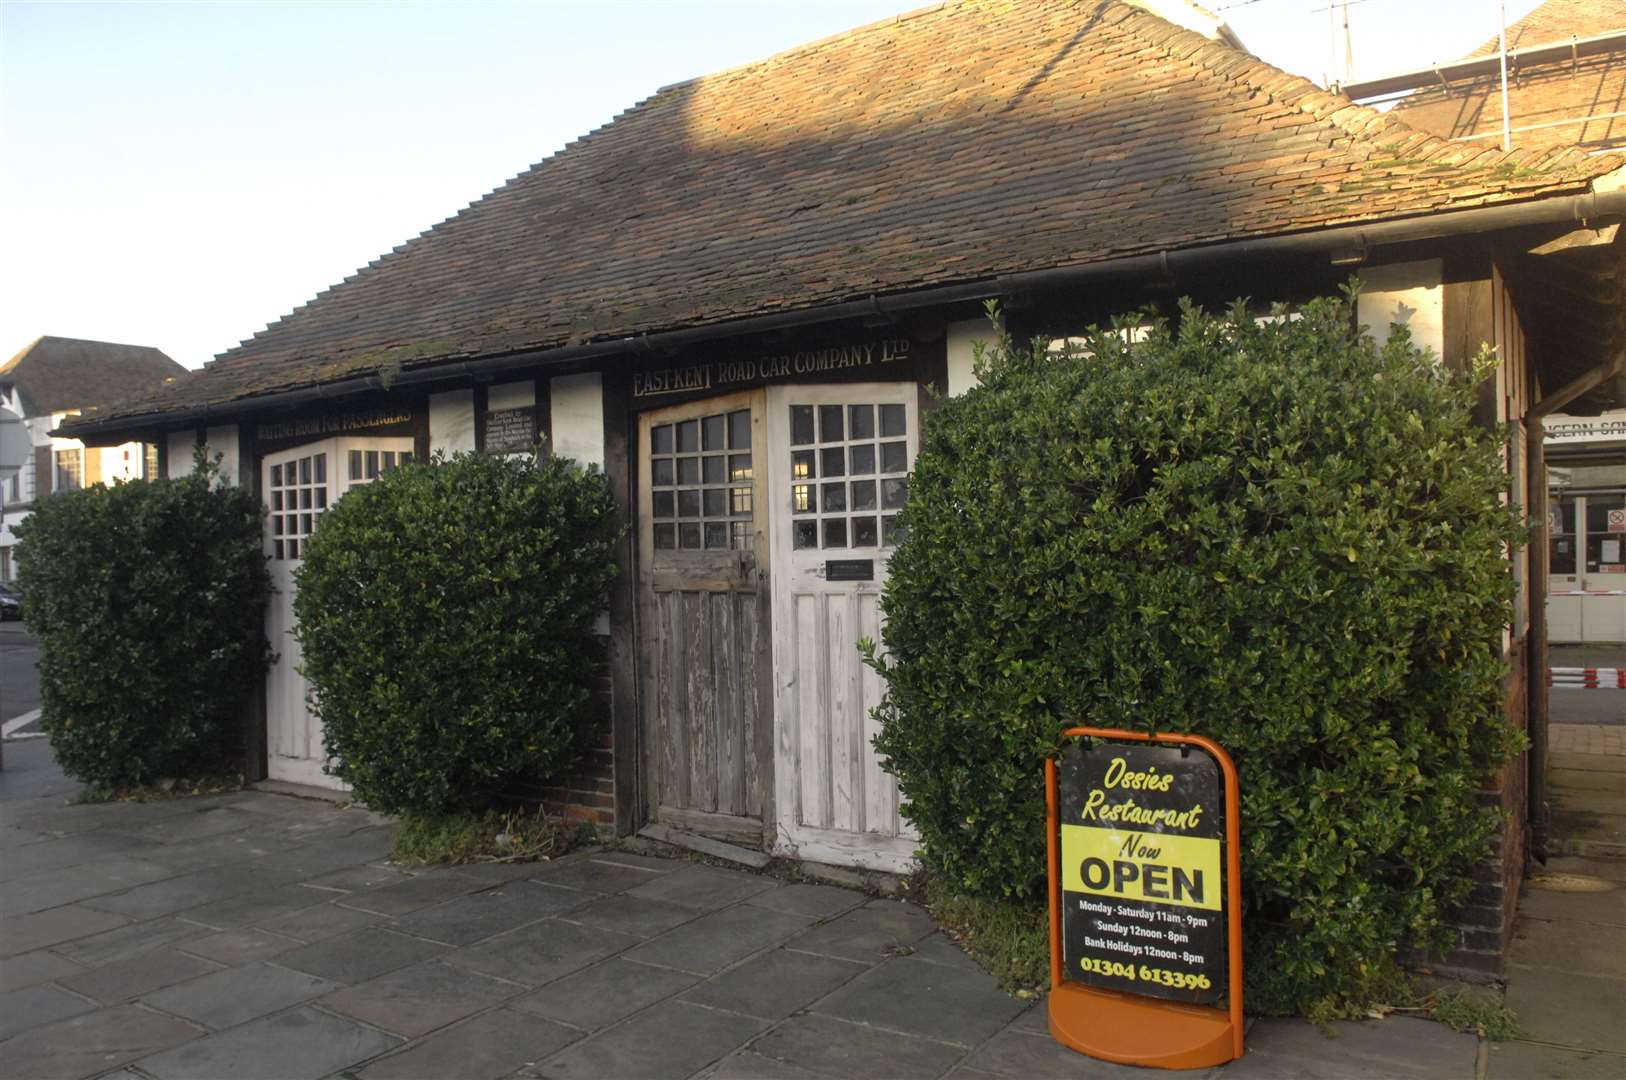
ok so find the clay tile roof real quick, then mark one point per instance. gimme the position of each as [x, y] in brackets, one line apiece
[956, 143]
[1559, 20]
[1590, 92]
[53, 374]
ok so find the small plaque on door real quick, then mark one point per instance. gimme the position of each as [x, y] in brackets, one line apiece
[849, 570]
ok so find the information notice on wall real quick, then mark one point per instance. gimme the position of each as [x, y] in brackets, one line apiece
[1143, 893]
[510, 431]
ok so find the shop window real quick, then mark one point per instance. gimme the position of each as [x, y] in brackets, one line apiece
[70, 470]
[1605, 534]
[849, 469]
[1561, 530]
[702, 483]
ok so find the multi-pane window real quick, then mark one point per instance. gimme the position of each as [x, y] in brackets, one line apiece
[367, 464]
[849, 467]
[701, 487]
[298, 495]
[70, 470]
[149, 460]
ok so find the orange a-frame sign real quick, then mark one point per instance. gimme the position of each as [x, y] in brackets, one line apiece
[1148, 903]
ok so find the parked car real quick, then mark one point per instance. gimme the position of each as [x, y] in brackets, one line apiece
[11, 602]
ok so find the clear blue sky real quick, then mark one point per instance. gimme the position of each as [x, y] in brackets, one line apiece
[179, 175]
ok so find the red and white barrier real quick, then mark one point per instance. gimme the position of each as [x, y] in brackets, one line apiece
[1586, 592]
[1587, 678]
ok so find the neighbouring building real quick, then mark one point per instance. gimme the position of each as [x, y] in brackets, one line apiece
[1566, 87]
[52, 379]
[740, 297]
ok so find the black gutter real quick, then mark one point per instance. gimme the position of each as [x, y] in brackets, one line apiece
[1353, 240]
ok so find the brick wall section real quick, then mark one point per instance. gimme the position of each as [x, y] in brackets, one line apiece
[1485, 925]
[588, 792]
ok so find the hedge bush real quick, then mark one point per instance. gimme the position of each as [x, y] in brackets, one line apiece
[148, 598]
[446, 614]
[1277, 535]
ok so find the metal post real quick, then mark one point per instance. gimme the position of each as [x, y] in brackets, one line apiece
[1507, 121]
[1536, 646]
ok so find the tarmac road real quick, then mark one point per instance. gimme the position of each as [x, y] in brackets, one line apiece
[19, 671]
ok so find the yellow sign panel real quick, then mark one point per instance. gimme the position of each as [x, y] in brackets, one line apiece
[1159, 868]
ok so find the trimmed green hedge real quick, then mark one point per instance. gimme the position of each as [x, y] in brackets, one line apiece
[1280, 536]
[446, 616]
[148, 598]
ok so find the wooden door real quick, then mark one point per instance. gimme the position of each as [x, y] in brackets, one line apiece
[838, 460]
[704, 650]
[298, 486]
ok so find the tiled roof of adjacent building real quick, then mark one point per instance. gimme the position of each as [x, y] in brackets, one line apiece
[1541, 97]
[53, 374]
[953, 144]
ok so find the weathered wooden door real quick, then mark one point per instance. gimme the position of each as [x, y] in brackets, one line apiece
[838, 462]
[298, 486]
[704, 648]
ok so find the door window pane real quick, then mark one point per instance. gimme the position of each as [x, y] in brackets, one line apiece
[688, 436]
[894, 493]
[712, 469]
[665, 537]
[688, 470]
[1605, 533]
[711, 433]
[801, 425]
[835, 532]
[894, 457]
[864, 532]
[660, 439]
[1561, 536]
[689, 535]
[864, 494]
[701, 447]
[739, 467]
[861, 422]
[662, 504]
[830, 425]
[832, 461]
[715, 503]
[801, 464]
[834, 498]
[893, 422]
[861, 459]
[688, 504]
[804, 534]
[739, 430]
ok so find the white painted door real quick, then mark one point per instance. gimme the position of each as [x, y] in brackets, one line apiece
[298, 486]
[1603, 611]
[838, 459]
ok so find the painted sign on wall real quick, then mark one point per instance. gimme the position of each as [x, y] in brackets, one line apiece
[1142, 887]
[510, 431]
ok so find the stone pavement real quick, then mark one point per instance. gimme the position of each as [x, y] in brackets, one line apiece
[254, 935]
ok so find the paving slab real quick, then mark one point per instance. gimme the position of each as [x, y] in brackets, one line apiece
[500, 873]
[817, 901]
[1556, 1006]
[1531, 1061]
[359, 956]
[671, 1039]
[185, 891]
[258, 906]
[604, 993]
[489, 1046]
[1563, 944]
[633, 915]
[422, 891]
[837, 1048]
[240, 847]
[66, 885]
[714, 941]
[321, 922]
[869, 934]
[1607, 907]
[1391, 1049]
[91, 1044]
[357, 879]
[25, 933]
[37, 1005]
[39, 966]
[480, 915]
[949, 1004]
[749, 1065]
[775, 984]
[937, 948]
[646, 862]
[70, 851]
[240, 994]
[300, 1044]
[1017, 1053]
[126, 941]
[236, 947]
[199, 823]
[595, 875]
[416, 1000]
[703, 888]
[541, 952]
[131, 978]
